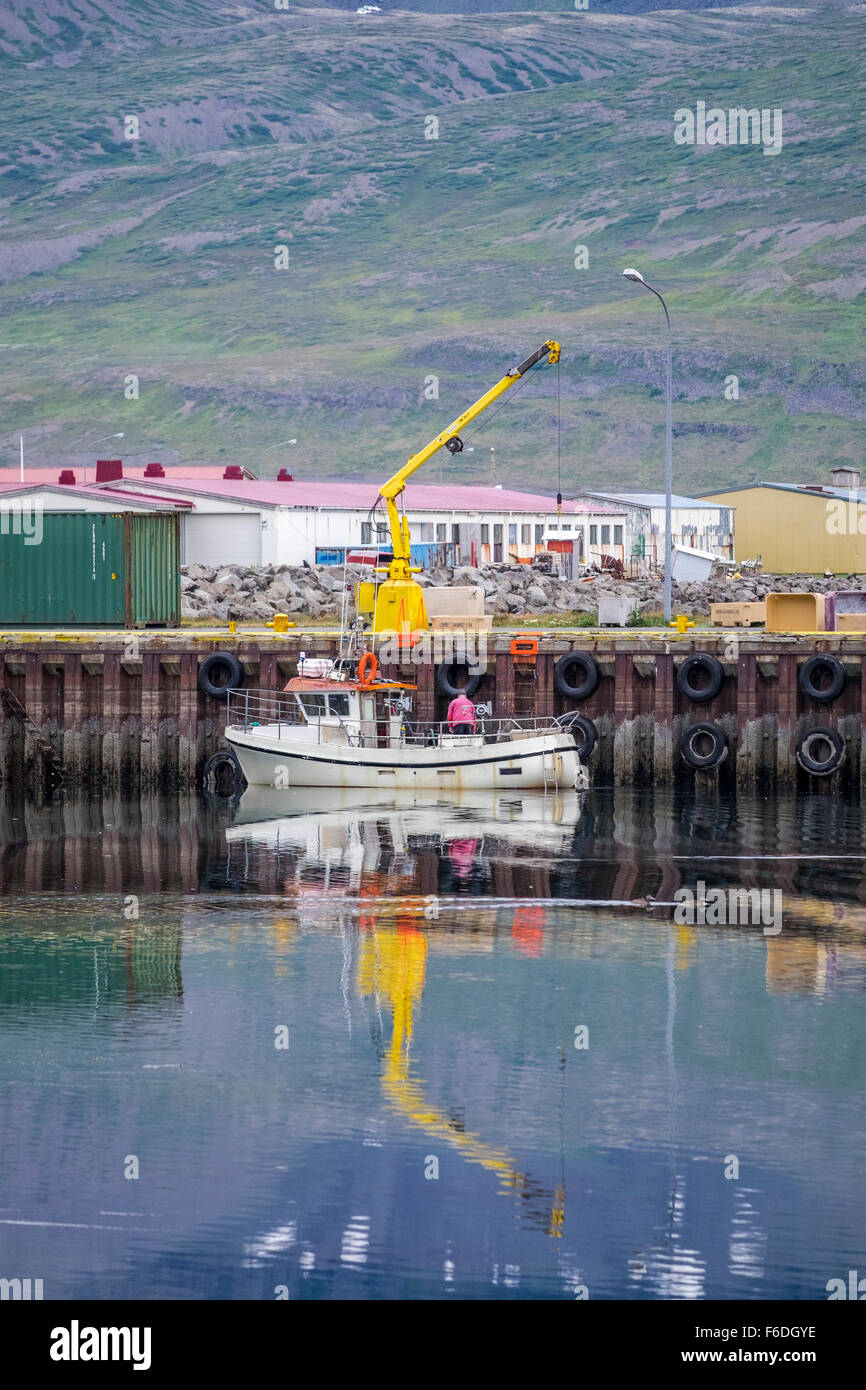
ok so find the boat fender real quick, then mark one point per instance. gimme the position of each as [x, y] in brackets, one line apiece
[367, 668]
[445, 681]
[585, 681]
[583, 731]
[222, 774]
[700, 661]
[228, 665]
[811, 672]
[704, 745]
[820, 751]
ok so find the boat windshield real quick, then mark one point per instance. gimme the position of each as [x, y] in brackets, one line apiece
[317, 705]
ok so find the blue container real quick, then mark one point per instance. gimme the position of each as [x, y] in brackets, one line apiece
[329, 555]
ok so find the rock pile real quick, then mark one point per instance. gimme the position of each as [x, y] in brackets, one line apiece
[255, 594]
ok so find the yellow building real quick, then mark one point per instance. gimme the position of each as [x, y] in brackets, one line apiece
[801, 529]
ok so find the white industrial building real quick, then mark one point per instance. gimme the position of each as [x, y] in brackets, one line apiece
[234, 519]
[241, 521]
[697, 523]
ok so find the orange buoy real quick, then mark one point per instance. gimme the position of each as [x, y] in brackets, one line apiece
[367, 668]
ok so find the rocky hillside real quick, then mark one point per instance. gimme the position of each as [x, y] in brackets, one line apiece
[224, 226]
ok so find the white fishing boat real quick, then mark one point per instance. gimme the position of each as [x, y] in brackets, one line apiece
[340, 727]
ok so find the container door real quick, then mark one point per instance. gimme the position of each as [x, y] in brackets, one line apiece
[153, 569]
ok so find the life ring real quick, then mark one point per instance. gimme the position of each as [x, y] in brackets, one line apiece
[811, 673]
[704, 745]
[367, 668]
[445, 682]
[700, 661]
[226, 663]
[583, 731]
[581, 689]
[829, 747]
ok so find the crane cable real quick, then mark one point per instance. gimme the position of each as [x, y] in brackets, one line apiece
[558, 443]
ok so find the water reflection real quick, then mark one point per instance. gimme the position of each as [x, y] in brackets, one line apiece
[432, 966]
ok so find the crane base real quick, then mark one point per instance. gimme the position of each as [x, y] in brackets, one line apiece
[400, 608]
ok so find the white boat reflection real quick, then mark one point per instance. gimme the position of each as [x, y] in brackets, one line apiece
[321, 818]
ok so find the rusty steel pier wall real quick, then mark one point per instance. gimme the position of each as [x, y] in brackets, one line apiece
[118, 712]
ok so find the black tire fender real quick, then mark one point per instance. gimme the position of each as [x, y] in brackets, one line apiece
[222, 774]
[587, 680]
[704, 745]
[700, 661]
[809, 672]
[225, 662]
[816, 741]
[445, 682]
[583, 731]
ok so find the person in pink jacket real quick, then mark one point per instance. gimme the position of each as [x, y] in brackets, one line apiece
[461, 715]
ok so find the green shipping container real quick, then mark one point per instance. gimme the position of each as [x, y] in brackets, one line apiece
[89, 569]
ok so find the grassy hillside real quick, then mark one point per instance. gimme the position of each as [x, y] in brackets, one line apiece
[411, 257]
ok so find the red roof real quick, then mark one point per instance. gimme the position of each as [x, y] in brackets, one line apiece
[334, 495]
[173, 471]
[123, 494]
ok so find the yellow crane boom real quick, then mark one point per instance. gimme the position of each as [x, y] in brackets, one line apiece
[400, 601]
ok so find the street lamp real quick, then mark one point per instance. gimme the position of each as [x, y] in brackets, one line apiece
[634, 275]
[281, 444]
[91, 442]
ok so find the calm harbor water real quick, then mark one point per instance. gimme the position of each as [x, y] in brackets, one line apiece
[430, 1051]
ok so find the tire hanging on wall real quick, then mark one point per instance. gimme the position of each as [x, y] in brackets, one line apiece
[587, 679]
[704, 745]
[445, 680]
[222, 774]
[700, 661]
[810, 674]
[583, 731]
[829, 747]
[225, 663]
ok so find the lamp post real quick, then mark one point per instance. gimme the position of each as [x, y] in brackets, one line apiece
[634, 275]
[281, 445]
[91, 442]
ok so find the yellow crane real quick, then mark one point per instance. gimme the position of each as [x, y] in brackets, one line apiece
[399, 599]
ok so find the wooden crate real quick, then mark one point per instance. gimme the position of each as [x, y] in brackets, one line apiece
[851, 622]
[737, 614]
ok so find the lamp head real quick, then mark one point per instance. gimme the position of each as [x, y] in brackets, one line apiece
[631, 274]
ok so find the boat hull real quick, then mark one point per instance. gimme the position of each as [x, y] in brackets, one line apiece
[544, 761]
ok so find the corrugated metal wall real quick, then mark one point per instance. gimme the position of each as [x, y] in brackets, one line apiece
[84, 569]
[153, 566]
[70, 570]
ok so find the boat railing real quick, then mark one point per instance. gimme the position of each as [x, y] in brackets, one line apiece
[278, 711]
[250, 709]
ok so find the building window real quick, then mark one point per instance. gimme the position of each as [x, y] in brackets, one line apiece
[593, 535]
[566, 526]
[526, 534]
[366, 533]
[455, 534]
[440, 531]
[617, 535]
[512, 533]
[605, 535]
[425, 531]
[539, 534]
[485, 533]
